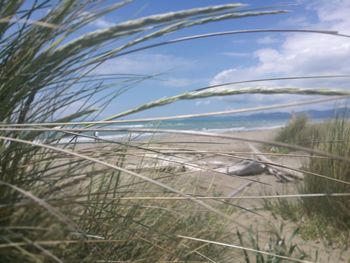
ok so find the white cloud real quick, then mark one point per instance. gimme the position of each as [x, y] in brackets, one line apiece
[150, 63]
[236, 54]
[334, 11]
[99, 23]
[267, 40]
[297, 22]
[304, 54]
[181, 82]
[202, 102]
[102, 23]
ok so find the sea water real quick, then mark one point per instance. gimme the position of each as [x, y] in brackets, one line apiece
[208, 124]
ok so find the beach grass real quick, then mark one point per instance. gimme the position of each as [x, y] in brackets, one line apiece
[278, 244]
[327, 218]
[335, 140]
[64, 201]
[61, 203]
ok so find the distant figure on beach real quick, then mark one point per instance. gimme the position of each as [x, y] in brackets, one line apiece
[96, 135]
[293, 117]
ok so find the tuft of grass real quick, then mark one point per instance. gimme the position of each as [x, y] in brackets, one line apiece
[277, 243]
[327, 218]
[54, 205]
[61, 201]
[334, 211]
[285, 208]
[299, 131]
[293, 131]
[311, 226]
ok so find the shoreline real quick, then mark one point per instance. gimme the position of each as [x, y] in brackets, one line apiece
[138, 136]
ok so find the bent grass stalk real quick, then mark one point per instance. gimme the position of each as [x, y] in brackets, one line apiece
[192, 133]
[212, 92]
[147, 179]
[244, 248]
[235, 111]
[234, 32]
[205, 168]
[169, 198]
[46, 68]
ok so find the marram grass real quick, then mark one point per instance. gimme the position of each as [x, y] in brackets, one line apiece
[41, 75]
[67, 203]
[211, 92]
[331, 136]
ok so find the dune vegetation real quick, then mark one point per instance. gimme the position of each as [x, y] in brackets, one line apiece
[105, 201]
[330, 136]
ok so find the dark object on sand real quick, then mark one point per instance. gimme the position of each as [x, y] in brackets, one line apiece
[246, 168]
[259, 166]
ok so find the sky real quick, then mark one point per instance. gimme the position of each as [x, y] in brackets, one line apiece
[196, 64]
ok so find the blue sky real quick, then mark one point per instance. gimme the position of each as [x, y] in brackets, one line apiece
[191, 65]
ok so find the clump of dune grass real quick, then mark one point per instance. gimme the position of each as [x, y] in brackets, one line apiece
[300, 131]
[294, 128]
[327, 217]
[336, 211]
[61, 202]
[277, 243]
[66, 202]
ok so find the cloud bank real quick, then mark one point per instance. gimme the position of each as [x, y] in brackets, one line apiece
[303, 54]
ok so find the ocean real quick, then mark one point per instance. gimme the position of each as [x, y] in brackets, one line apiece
[207, 124]
[216, 124]
[211, 124]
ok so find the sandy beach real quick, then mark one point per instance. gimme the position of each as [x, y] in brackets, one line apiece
[183, 154]
[174, 131]
[212, 153]
[192, 164]
[200, 157]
